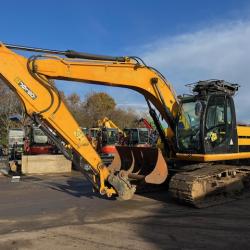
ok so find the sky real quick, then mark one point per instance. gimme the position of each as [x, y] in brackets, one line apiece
[186, 40]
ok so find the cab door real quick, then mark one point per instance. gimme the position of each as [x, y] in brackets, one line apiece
[220, 133]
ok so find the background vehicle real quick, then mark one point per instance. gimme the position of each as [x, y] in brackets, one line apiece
[109, 136]
[137, 136]
[16, 142]
[147, 124]
[36, 142]
[204, 146]
[104, 139]
[107, 123]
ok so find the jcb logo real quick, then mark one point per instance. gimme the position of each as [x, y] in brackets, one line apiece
[80, 136]
[27, 90]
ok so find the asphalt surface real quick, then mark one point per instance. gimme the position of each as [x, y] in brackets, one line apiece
[61, 212]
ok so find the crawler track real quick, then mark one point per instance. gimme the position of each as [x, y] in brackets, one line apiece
[210, 185]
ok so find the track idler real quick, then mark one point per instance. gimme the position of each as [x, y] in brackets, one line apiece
[145, 164]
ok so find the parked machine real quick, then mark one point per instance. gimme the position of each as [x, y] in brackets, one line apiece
[146, 123]
[104, 139]
[36, 142]
[109, 136]
[107, 123]
[16, 142]
[137, 136]
[206, 153]
[132, 136]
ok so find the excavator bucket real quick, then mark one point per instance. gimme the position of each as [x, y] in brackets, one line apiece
[141, 163]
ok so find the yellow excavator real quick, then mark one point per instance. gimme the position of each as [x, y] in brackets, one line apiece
[106, 137]
[206, 154]
[107, 123]
[135, 136]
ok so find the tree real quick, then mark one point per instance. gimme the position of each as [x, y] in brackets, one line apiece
[97, 106]
[9, 105]
[124, 118]
[74, 103]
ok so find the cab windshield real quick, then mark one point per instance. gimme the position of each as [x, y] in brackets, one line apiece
[110, 136]
[188, 127]
[143, 136]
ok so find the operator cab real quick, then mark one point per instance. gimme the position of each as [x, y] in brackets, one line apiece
[206, 123]
[137, 136]
[109, 136]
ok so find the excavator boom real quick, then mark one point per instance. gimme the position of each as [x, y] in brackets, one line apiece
[29, 78]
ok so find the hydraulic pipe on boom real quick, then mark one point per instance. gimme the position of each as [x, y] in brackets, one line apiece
[67, 53]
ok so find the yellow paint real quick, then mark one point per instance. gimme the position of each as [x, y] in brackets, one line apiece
[107, 123]
[212, 157]
[243, 130]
